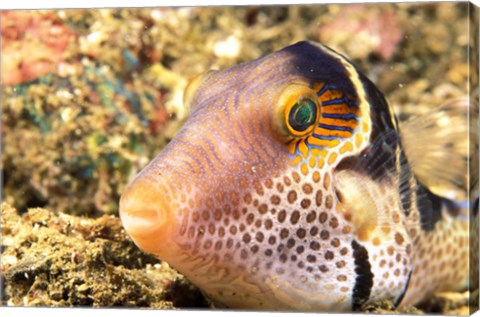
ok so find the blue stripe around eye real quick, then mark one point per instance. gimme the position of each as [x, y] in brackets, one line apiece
[291, 156]
[348, 116]
[339, 101]
[325, 88]
[334, 102]
[325, 137]
[297, 149]
[335, 127]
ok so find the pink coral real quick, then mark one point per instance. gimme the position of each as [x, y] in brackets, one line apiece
[32, 45]
[362, 29]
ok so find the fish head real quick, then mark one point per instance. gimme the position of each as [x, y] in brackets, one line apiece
[250, 200]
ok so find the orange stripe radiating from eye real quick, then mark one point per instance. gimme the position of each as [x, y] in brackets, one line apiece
[303, 148]
[329, 94]
[339, 116]
[319, 142]
[338, 120]
[330, 133]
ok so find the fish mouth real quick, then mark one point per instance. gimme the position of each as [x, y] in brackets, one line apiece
[146, 216]
[138, 220]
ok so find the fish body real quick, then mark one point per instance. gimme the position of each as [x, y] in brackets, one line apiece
[289, 188]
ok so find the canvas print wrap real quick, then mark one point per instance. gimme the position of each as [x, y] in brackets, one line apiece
[271, 158]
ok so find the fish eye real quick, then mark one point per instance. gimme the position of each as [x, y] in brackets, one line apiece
[302, 115]
[299, 110]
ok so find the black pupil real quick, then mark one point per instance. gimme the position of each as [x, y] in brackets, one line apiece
[302, 115]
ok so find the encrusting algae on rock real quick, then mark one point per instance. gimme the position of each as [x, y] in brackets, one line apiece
[54, 259]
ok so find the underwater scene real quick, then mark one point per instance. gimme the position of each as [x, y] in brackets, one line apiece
[301, 158]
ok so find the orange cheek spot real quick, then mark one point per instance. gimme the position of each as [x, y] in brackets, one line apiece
[332, 158]
[365, 127]
[358, 140]
[347, 147]
[321, 162]
[296, 160]
[304, 169]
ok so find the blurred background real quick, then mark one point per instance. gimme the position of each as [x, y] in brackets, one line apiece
[89, 97]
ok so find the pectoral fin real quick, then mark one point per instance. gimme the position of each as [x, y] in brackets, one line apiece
[437, 148]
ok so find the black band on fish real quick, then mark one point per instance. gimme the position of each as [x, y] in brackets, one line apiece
[382, 118]
[321, 66]
[399, 299]
[405, 189]
[474, 211]
[364, 281]
[429, 206]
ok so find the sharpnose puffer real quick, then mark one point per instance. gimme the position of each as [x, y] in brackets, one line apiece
[290, 187]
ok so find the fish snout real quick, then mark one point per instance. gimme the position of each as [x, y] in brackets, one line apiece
[146, 216]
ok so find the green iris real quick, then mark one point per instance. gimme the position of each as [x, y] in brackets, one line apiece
[302, 115]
